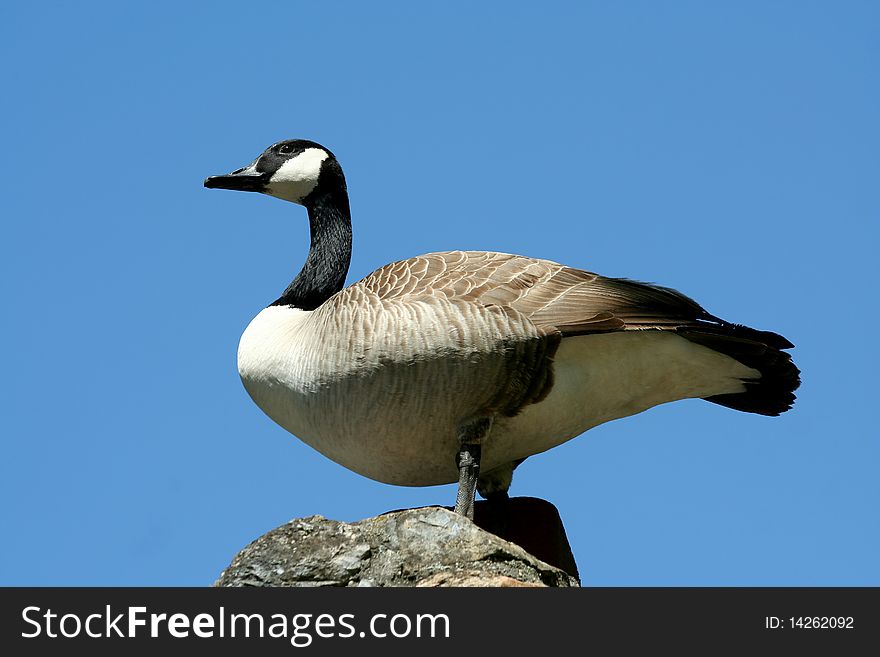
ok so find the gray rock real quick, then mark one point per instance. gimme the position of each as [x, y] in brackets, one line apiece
[429, 546]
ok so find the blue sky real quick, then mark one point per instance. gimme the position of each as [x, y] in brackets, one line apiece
[729, 150]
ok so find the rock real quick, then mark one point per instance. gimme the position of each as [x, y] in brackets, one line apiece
[430, 546]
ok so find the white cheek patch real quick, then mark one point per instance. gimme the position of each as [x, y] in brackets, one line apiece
[296, 178]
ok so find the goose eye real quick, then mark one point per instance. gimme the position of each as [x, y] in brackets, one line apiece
[285, 149]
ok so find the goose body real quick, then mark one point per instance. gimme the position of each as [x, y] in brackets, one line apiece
[386, 376]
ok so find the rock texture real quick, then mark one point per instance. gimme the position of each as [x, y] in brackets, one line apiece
[430, 546]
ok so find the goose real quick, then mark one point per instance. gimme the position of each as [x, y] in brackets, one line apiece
[457, 366]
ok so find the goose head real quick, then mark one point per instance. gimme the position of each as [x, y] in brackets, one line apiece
[294, 170]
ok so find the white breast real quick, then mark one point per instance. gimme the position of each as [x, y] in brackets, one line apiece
[379, 393]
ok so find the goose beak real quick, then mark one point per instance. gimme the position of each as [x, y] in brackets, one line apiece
[246, 179]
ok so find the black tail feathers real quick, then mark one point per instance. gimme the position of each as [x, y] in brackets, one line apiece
[771, 394]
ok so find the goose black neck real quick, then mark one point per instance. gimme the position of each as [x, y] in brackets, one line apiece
[323, 274]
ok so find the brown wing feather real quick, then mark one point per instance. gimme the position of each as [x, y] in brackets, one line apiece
[561, 301]
[549, 294]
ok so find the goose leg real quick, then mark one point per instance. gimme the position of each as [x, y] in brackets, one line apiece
[468, 473]
[470, 437]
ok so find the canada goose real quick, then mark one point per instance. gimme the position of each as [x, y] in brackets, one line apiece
[432, 368]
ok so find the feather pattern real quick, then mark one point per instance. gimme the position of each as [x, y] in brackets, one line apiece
[379, 376]
[549, 295]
